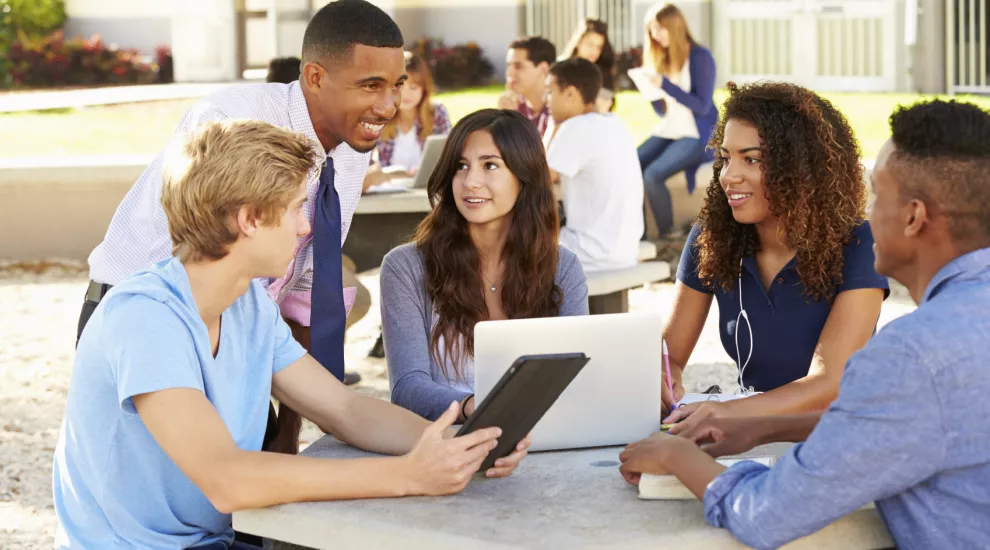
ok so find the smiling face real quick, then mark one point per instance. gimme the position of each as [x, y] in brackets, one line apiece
[741, 177]
[350, 100]
[485, 191]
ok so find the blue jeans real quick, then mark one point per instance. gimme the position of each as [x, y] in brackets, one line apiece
[661, 158]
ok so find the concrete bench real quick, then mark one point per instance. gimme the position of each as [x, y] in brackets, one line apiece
[608, 291]
[647, 251]
[67, 202]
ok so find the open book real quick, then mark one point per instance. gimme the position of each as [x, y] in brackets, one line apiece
[668, 487]
[643, 79]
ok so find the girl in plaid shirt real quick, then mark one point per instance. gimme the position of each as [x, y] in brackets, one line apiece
[419, 117]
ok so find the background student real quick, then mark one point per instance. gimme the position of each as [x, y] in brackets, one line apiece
[593, 156]
[527, 64]
[590, 41]
[686, 73]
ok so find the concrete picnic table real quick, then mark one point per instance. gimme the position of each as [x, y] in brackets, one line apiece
[573, 499]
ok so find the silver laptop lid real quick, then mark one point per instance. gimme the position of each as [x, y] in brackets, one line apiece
[615, 400]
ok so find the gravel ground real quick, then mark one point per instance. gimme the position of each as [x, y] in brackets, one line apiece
[40, 307]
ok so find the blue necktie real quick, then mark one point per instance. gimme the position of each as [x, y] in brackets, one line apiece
[328, 315]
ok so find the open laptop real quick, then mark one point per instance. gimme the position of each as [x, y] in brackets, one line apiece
[432, 148]
[615, 399]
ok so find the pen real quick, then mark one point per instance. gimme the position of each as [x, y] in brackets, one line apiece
[666, 367]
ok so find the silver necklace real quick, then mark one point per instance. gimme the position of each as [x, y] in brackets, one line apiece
[492, 288]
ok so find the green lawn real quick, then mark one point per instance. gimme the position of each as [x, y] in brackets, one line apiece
[144, 128]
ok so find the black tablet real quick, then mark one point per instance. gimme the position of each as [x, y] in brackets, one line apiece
[521, 397]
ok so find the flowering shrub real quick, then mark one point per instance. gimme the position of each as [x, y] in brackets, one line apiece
[453, 67]
[54, 61]
[34, 18]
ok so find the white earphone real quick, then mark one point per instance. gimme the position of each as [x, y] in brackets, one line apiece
[741, 365]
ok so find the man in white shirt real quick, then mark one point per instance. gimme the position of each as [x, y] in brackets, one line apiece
[352, 73]
[593, 157]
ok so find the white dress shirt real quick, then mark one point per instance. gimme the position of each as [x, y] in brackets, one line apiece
[138, 234]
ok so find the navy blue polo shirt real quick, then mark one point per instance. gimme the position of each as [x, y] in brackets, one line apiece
[786, 323]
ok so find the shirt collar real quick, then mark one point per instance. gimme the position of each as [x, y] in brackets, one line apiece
[971, 262]
[749, 264]
[299, 116]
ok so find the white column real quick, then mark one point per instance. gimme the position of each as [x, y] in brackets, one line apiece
[203, 40]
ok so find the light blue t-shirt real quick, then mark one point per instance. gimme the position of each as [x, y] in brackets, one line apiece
[113, 485]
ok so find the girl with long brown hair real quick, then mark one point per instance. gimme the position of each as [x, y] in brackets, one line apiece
[685, 72]
[400, 146]
[590, 41]
[783, 245]
[487, 251]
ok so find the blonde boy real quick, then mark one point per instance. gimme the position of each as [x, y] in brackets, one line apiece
[167, 405]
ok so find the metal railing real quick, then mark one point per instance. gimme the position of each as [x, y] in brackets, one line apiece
[556, 20]
[966, 46]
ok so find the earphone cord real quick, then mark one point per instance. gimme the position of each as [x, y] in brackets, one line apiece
[742, 315]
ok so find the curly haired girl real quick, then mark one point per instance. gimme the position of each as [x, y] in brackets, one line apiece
[783, 246]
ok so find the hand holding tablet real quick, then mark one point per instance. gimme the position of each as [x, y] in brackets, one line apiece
[521, 397]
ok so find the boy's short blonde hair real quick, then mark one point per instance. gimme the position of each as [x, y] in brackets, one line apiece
[224, 166]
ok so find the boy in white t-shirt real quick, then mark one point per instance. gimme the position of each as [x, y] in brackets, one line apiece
[593, 157]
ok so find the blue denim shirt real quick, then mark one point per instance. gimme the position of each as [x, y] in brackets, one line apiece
[910, 430]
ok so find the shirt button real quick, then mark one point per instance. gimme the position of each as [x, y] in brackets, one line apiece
[780, 280]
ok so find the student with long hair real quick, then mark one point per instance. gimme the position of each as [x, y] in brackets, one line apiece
[686, 73]
[419, 117]
[487, 251]
[590, 41]
[783, 245]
